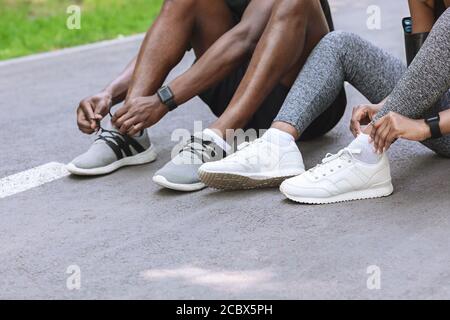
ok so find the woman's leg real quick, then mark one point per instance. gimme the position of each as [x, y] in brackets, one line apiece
[339, 57]
[428, 77]
[426, 81]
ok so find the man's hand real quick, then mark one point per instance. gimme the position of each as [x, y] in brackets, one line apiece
[394, 126]
[138, 114]
[91, 110]
[362, 115]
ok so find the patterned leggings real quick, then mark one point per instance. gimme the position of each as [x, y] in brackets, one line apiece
[418, 92]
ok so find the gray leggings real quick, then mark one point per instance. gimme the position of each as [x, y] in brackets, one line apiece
[417, 92]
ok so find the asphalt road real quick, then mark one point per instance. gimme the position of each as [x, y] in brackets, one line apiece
[132, 239]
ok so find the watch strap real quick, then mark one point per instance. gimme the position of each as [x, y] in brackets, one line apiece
[435, 129]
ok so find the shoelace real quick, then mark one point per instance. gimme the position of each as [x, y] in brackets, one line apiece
[201, 148]
[113, 134]
[101, 130]
[327, 163]
[120, 143]
[346, 151]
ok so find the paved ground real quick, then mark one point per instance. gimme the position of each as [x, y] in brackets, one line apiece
[133, 240]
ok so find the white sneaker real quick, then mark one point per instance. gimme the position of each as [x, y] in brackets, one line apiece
[340, 178]
[258, 164]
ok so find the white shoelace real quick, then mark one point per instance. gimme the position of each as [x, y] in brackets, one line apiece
[334, 162]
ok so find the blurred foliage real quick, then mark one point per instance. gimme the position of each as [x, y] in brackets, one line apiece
[31, 26]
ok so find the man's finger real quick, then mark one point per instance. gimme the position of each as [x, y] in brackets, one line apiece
[83, 124]
[123, 110]
[86, 130]
[89, 113]
[135, 129]
[101, 108]
[128, 124]
[85, 127]
[87, 109]
[120, 121]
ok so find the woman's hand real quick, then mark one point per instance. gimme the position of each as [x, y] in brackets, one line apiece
[395, 126]
[139, 114]
[362, 115]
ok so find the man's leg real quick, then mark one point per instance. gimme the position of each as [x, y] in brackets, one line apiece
[180, 23]
[214, 62]
[226, 55]
[294, 28]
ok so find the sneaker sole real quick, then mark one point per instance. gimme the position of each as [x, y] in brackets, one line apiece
[163, 182]
[138, 159]
[227, 181]
[382, 191]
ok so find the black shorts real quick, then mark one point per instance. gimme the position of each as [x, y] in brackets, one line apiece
[219, 97]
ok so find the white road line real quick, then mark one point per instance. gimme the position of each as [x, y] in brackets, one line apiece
[82, 48]
[32, 178]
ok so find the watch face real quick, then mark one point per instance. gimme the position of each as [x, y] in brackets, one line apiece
[165, 94]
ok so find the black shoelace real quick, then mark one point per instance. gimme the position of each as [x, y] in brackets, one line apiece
[208, 148]
[120, 143]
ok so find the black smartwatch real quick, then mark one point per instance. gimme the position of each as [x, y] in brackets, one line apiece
[167, 98]
[435, 129]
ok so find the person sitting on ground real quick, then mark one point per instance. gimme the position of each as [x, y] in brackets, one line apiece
[248, 55]
[411, 111]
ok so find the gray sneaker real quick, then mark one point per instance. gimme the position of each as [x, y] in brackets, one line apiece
[181, 173]
[111, 151]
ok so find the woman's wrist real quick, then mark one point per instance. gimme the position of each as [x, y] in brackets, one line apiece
[424, 129]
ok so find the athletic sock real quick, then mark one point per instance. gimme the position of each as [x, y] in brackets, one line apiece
[278, 137]
[368, 154]
[217, 140]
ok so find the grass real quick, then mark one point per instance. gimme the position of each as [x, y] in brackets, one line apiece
[32, 26]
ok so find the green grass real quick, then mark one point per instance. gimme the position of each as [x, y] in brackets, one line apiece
[32, 26]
